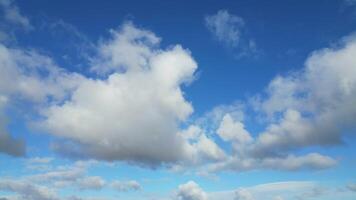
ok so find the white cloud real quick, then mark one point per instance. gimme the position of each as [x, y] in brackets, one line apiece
[312, 107]
[312, 161]
[125, 186]
[291, 162]
[316, 104]
[133, 110]
[131, 49]
[91, 183]
[68, 176]
[230, 130]
[243, 194]
[226, 27]
[28, 190]
[289, 190]
[40, 160]
[22, 76]
[99, 118]
[51, 182]
[229, 29]
[190, 191]
[132, 115]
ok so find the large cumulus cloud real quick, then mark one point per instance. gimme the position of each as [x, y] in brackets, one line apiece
[133, 113]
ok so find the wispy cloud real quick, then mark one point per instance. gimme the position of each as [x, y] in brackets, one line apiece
[229, 29]
[12, 14]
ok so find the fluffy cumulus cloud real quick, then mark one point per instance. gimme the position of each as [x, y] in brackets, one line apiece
[229, 29]
[134, 113]
[190, 191]
[130, 112]
[312, 107]
[319, 101]
[231, 130]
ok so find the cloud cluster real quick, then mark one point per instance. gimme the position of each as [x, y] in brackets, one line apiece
[312, 107]
[28, 190]
[51, 181]
[291, 190]
[132, 107]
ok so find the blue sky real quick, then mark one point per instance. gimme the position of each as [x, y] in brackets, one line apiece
[177, 100]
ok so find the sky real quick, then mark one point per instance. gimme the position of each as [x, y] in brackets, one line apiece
[177, 100]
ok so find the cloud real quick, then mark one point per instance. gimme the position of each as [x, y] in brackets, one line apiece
[200, 147]
[28, 190]
[130, 48]
[316, 104]
[12, 14]
[289, 190]
[32, 77]
[40, 160]
[8, 144]
[229, 30]
[225, 26]
[22, 80]
[91, 183]
[125, 186]
[98, 117]
[230, 130]
[133, 114]
[133, 106]
[73, 176]
[243, 194]
[312, 161]
[49, 183]
[275, 191]
[352, 187]
[190, 191]
[308, 108]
